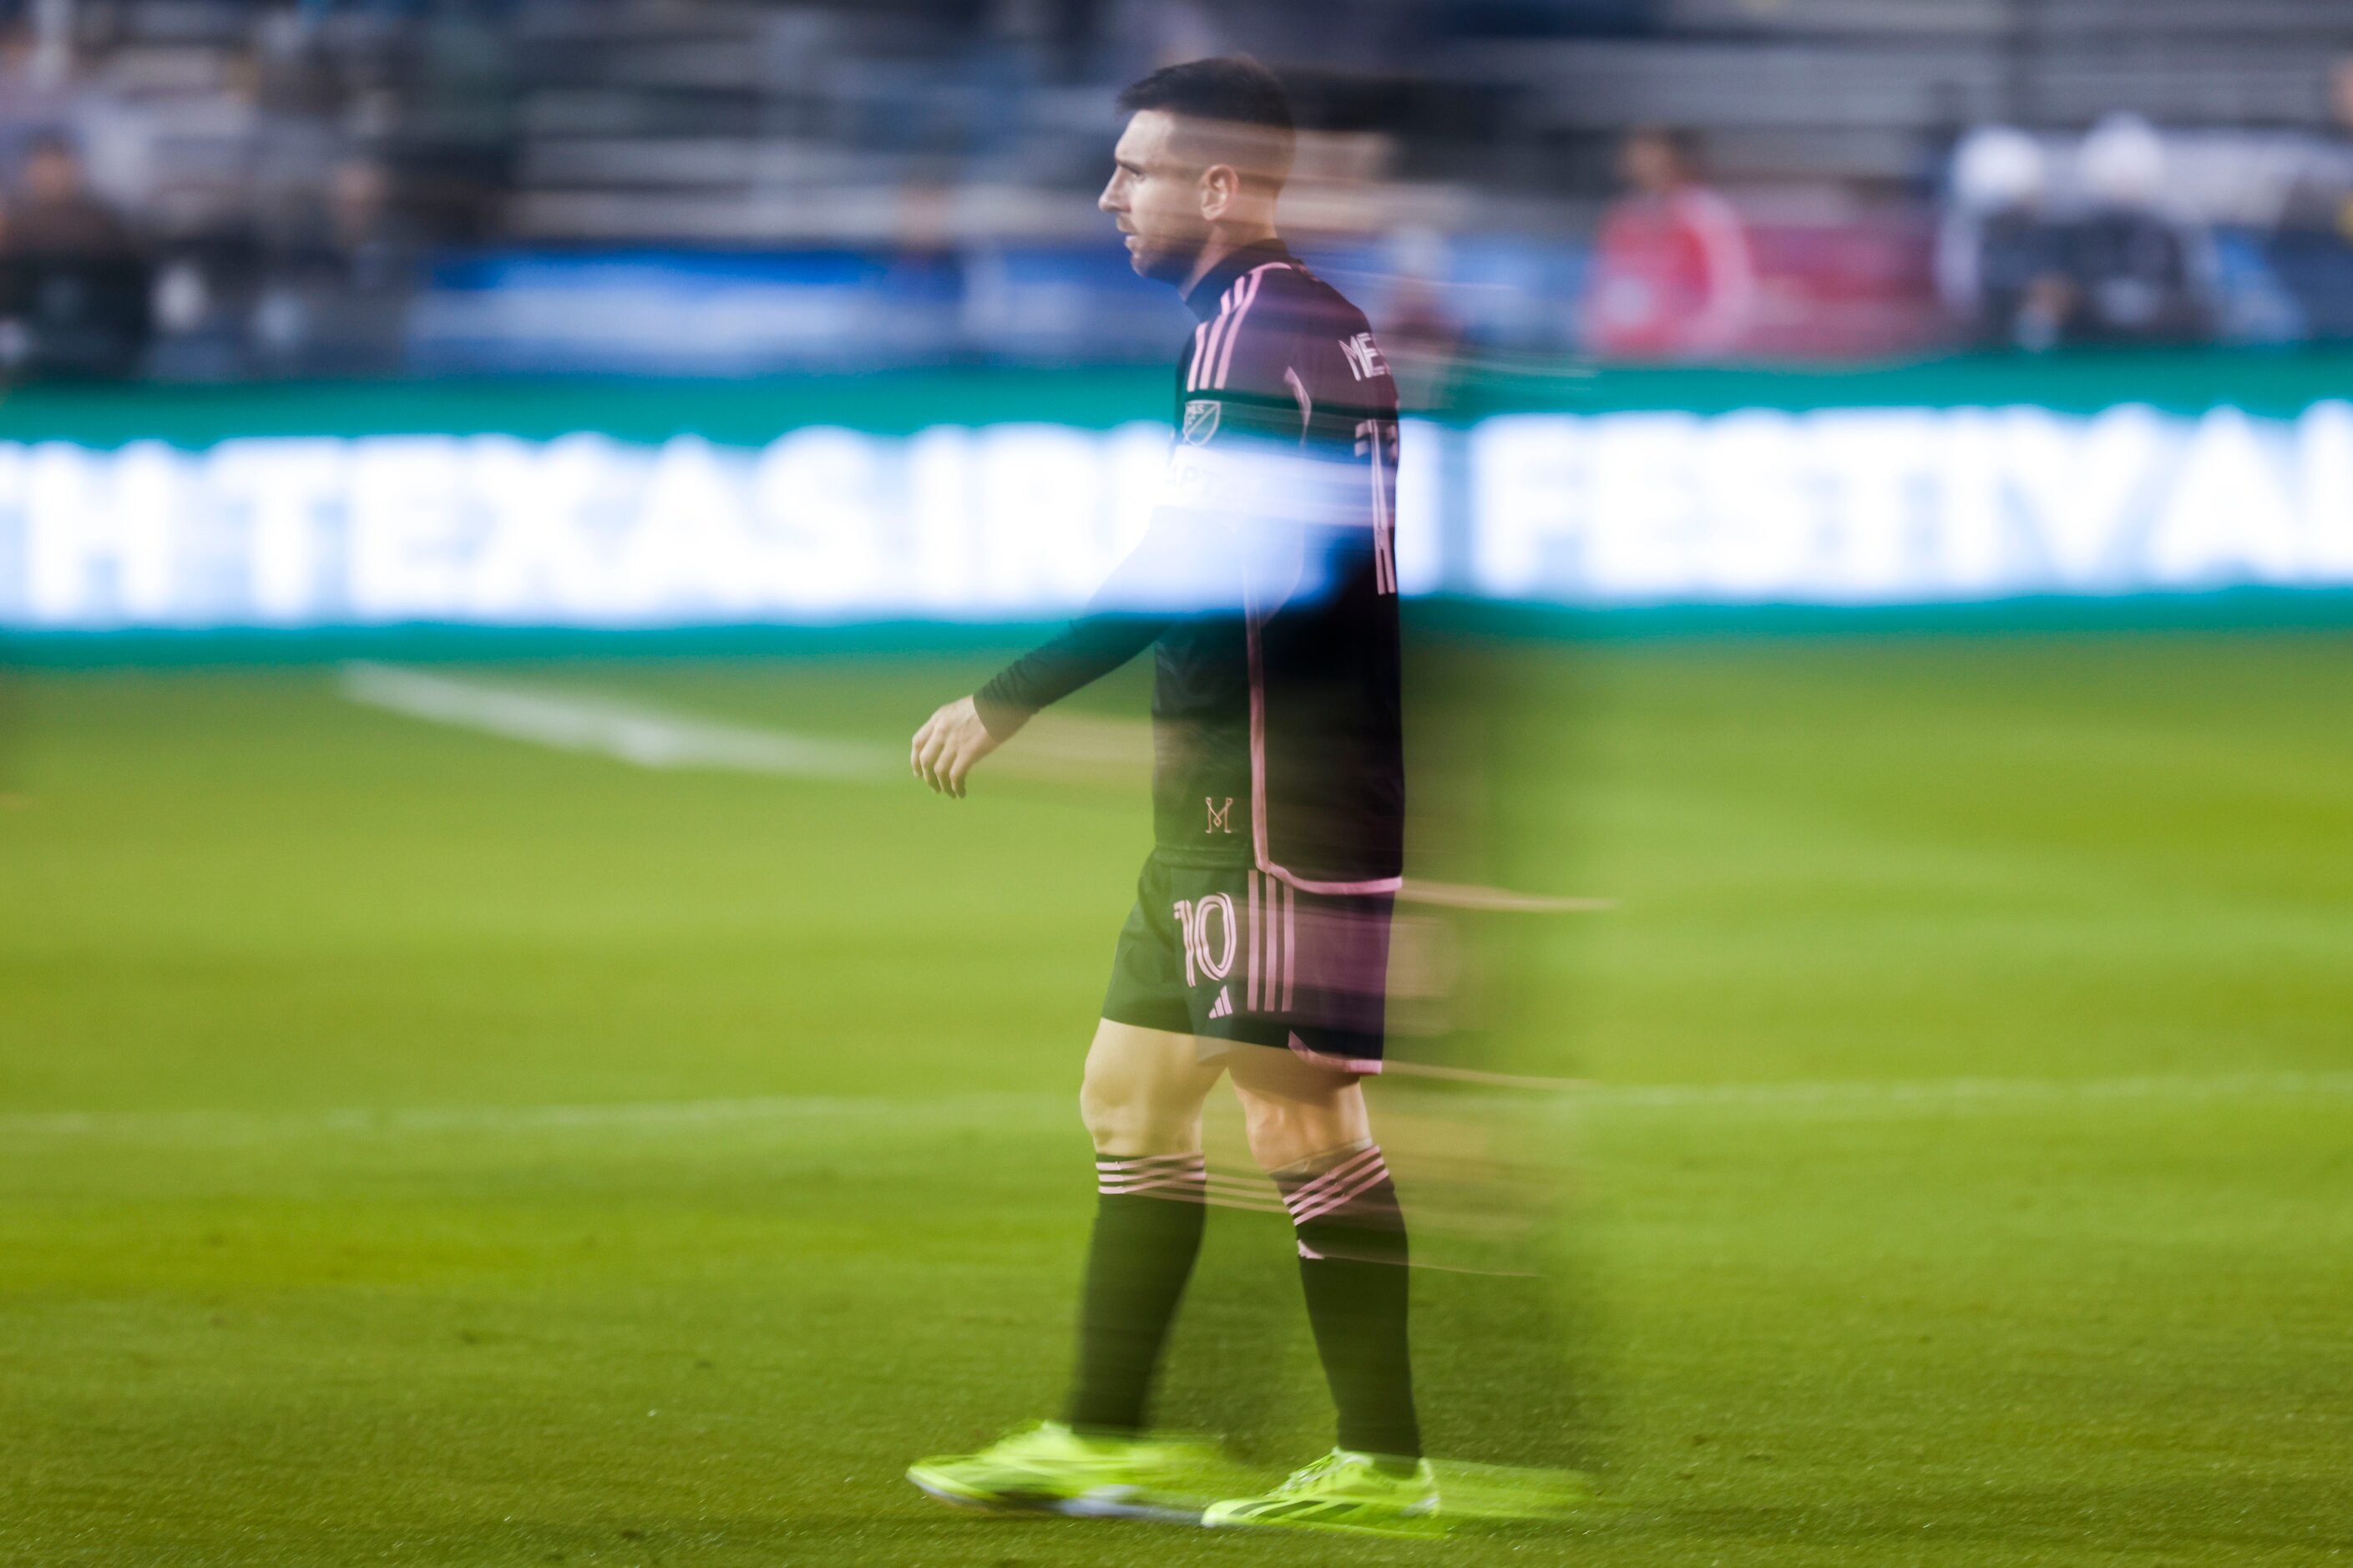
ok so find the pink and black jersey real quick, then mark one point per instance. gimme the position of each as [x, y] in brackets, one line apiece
[1268, 582]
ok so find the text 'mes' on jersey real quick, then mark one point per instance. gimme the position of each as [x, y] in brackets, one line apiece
[1268, 581]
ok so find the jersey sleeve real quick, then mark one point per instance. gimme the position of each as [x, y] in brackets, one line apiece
[1226, 533]
[1086, 650]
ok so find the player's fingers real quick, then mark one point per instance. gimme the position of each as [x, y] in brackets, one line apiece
[927, 760]
[958, 766]
[915, 750]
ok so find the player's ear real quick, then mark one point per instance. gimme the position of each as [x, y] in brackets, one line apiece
[1219, 185]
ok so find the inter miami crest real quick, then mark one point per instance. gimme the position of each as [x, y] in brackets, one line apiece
[1201, 421]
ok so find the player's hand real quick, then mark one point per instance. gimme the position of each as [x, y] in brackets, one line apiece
[947, 747]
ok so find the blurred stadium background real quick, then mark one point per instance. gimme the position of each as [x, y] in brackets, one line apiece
[824, 275]
[246, 191]
[496, 1066]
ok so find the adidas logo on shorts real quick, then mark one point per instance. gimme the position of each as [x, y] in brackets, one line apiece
[1223, 1007]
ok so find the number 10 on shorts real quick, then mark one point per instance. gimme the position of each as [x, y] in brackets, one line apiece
[1211, 935]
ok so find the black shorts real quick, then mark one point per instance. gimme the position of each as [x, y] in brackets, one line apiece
[1228, 954]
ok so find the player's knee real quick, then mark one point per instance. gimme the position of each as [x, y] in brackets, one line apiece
[1287, 1133]
[1123, 1122]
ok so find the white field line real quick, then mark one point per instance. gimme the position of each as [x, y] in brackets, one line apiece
[644, 737]
[1865, 1097]
[1052, 746]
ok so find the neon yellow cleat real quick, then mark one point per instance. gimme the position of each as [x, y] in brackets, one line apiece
[1050, 1468]
[1510, 1494]
[1342, 1490]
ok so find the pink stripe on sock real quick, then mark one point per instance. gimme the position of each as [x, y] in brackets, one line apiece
[1371, 1179]
[1346, 1171]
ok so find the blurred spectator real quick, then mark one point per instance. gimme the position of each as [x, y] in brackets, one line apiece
[921, 289]
[2001, 257]
[76, 285]
[56, 213]
[2309, 248]
[2321, 199]
[2140, 273]
[1672, 278]
[338, 291]
[36, 97]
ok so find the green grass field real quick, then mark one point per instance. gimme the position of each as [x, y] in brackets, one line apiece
[418, 1146]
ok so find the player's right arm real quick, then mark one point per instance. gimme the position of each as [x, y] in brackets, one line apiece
[954, 739]
[1126, 615]
[1224, 531]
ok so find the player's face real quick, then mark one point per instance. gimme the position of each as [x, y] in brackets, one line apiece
[1155, 199]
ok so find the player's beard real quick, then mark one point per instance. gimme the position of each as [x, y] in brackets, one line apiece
[1168, 261]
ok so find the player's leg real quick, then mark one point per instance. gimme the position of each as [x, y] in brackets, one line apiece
[1141, 1100]
[1142, 1091]
[1309, 1130]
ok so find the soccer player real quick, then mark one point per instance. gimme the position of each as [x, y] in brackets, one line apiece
[1257, 946]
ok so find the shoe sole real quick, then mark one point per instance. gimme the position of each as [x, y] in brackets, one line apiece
[1112, 1502]
[1409, 1527]
[1384, 1532]
[1128, 1508]
[974, 1504]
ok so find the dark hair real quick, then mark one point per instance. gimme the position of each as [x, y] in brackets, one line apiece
[1230, 91]
[1232, 88]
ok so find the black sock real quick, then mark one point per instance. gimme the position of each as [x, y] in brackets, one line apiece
[1148, 1213]
[1352, 1265]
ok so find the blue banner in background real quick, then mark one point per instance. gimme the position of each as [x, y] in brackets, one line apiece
[699, 313]
[825, 525]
